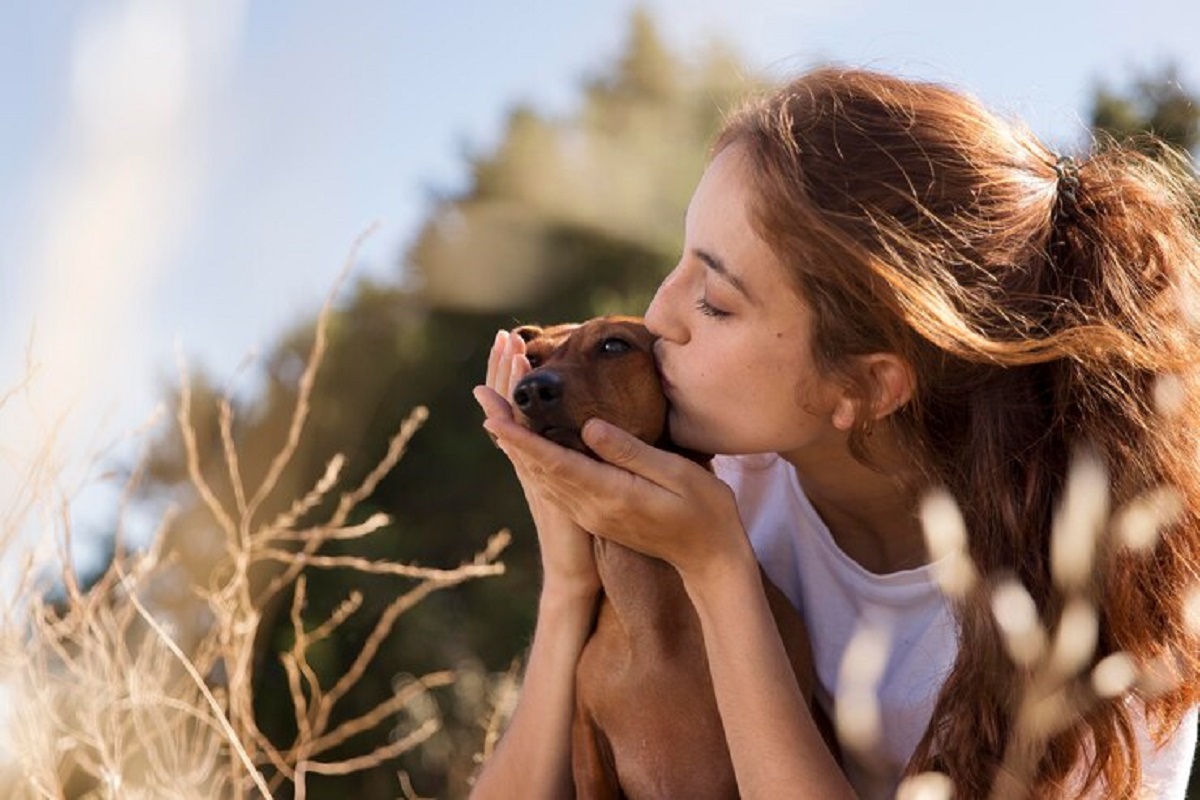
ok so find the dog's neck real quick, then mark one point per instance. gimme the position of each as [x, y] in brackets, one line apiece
[645, 593]
[647, 596]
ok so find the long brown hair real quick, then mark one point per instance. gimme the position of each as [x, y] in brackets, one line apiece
[1040, 303]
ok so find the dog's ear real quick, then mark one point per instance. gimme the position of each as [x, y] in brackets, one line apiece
[528, 332]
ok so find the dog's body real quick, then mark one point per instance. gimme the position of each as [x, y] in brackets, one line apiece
[646, 720]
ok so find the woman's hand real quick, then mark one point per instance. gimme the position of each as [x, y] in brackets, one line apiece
[568, 561]
[533, 759]
[669, 507]
[647, 499]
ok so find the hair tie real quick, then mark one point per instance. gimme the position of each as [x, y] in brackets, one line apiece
[1068, 177]
[1065, 206]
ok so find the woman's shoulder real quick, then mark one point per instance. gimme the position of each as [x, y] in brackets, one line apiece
[1167, 767]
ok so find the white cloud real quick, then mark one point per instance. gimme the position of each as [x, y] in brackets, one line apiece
[127, 175]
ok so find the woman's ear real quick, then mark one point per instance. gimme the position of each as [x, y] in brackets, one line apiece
[892, 383]
[845, 412]
[884, 383]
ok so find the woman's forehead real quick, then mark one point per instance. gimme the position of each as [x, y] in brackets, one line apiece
[720, 228]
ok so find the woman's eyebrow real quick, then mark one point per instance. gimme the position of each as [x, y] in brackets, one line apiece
[718, 266]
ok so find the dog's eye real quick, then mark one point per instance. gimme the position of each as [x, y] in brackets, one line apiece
[614, 346]
[534, 360]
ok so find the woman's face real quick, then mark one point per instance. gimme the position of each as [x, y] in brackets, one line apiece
[734, 347]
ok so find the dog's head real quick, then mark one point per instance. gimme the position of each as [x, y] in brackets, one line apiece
[604, 368]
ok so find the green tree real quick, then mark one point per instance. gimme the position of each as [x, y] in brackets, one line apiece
[1155, 103]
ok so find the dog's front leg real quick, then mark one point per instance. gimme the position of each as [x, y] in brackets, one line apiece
[592, 761]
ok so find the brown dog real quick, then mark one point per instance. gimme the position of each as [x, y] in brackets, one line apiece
[646, 721]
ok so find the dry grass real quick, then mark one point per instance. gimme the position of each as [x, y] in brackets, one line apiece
[103, 700]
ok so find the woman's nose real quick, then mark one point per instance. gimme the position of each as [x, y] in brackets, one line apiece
[662, 316]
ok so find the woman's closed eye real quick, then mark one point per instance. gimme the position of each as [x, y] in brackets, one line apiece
[709, 310]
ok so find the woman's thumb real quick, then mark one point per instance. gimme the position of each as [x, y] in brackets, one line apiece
[613, 444]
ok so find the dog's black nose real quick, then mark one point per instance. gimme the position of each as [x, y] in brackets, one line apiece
[538, 390]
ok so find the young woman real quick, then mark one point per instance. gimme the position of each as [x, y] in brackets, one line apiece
[886, 290]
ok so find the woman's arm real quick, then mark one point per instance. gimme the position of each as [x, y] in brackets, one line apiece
[772, 737]
[533, 759]
[671, 508]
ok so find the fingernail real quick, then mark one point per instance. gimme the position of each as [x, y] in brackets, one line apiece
[595, 428]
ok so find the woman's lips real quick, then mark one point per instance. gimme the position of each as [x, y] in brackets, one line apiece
[667, 386]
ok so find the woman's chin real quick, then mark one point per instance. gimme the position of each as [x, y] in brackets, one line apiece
[704, 437]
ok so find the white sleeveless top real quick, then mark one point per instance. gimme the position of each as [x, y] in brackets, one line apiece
[836, 596]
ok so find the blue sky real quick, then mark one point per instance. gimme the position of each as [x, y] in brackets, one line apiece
[173, 171]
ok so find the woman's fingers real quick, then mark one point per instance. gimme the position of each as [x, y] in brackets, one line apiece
[518, 366]
[507, 363]
[637, 495]
[632, 487]
[553, 462]
[499, 368]
[525, 449]
[598, 495]
[493, 365]
[493, 405]
[622, 449]
[571, 475]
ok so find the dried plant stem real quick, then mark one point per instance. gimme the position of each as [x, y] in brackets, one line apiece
[195, 472]
[384, 627]
[231, 735]
[113, 699]
[396, 447]
[500, 710]
[307, 380]
[309, 501]
[234, 466]
[369, 567]
[369, 720]
[390, 750]
[346, 504]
